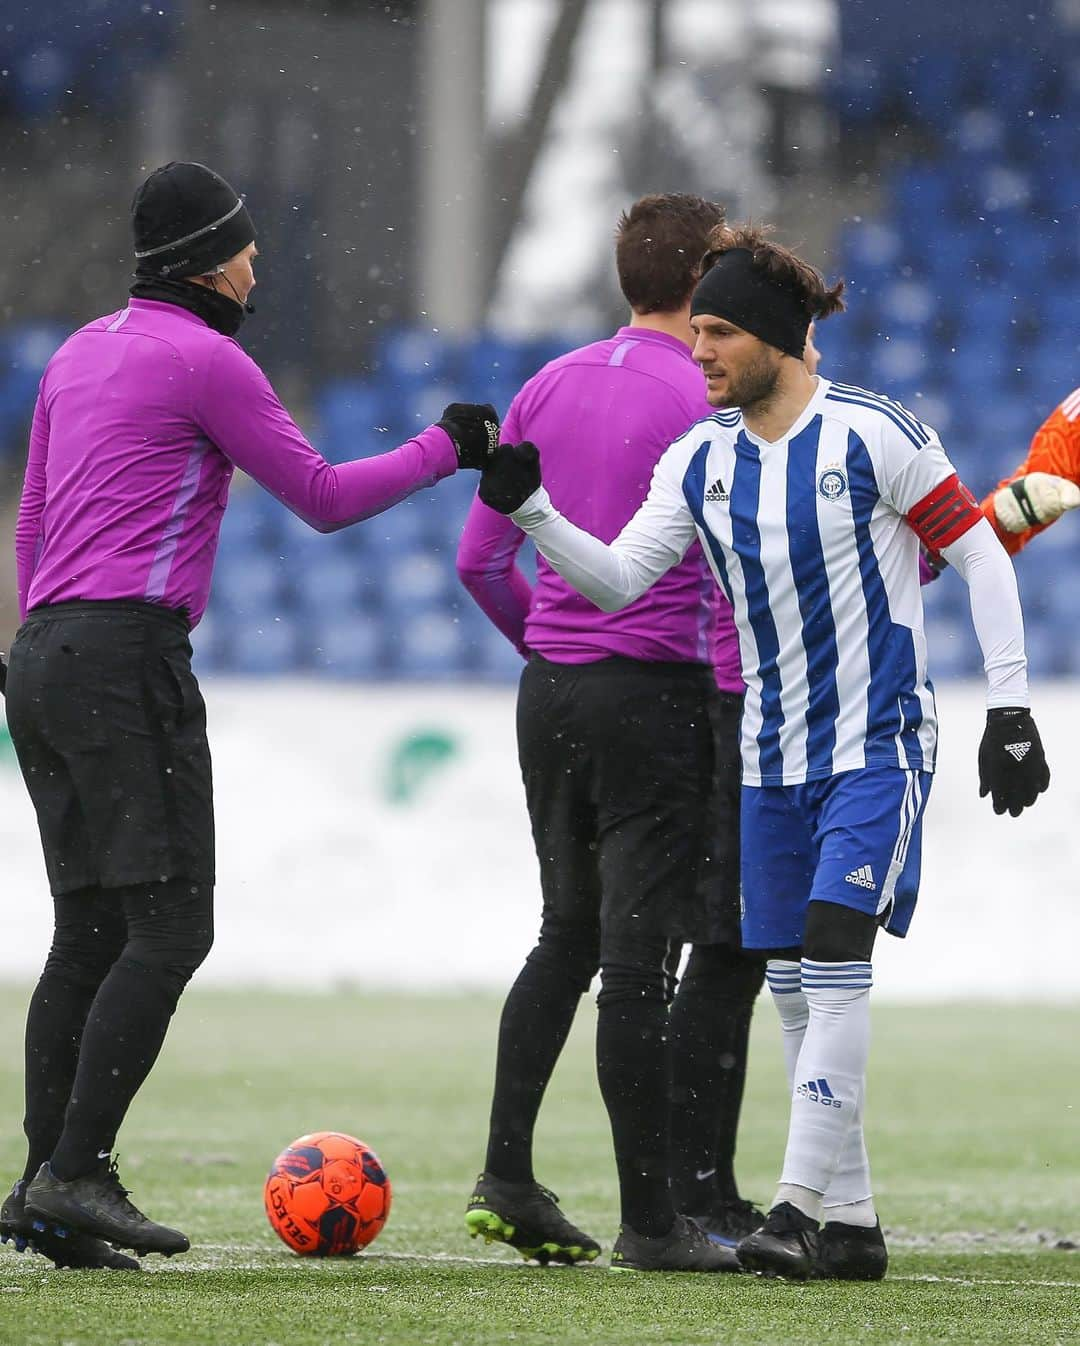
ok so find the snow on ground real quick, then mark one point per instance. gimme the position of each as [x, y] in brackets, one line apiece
[377, 836]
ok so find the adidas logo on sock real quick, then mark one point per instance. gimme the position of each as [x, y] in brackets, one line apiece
[863, 877]
[818, 1091]
[716, 491]
[1018, 750]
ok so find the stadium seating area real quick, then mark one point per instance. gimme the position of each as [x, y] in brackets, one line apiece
[57, 50]
[964, 293]
[962, 296]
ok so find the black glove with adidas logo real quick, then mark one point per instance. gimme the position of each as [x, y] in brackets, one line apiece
[474, 428]
[1012, 764]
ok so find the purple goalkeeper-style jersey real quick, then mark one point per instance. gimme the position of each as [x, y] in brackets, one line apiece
[140, 420]
[601, 417]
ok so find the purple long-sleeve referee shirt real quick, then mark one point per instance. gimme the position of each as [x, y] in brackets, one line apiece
[140, 420]
[601, 417]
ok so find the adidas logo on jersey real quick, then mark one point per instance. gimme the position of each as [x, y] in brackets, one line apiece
[716, 491]
[818, 1091]
[1018, 750]
[863, 877]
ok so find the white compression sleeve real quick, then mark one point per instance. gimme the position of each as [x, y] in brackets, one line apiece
[995, 610]
[654, 540]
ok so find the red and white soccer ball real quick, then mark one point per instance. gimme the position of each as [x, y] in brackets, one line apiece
[327, 1195]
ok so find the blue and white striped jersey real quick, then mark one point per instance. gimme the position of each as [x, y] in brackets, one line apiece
[813, 539]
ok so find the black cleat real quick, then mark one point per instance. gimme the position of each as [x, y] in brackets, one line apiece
[70, 1250]
[685, 1247]
[785, 1245]
[726, 1222]
[527, 1217]
[96, 1204]
[848, 1252]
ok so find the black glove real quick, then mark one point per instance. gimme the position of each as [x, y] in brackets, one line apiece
[474, 430]
[1012, 764]
[511, 477]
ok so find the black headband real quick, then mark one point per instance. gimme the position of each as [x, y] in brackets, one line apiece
[737, 291]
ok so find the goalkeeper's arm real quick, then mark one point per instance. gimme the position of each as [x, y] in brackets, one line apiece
[1034, 499]
[1046, 483]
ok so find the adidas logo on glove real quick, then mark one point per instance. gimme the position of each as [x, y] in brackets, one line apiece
[1018, 750]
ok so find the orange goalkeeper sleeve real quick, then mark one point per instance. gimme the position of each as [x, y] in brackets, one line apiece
[1054, 449]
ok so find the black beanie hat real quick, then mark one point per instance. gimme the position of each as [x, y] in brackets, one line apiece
[187, 220]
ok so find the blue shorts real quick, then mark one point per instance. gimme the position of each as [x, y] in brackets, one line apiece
[854, 839]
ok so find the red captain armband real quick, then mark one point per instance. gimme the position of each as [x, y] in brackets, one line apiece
[945, 514]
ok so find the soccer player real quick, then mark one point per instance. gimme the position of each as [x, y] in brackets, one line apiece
[811, 500]
[1045, 485]
[140, 420]
[616, 751]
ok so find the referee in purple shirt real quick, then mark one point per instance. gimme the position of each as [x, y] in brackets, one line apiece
[623, 721]
[140, 420]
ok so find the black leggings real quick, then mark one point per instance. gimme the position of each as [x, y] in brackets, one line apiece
[119, 961]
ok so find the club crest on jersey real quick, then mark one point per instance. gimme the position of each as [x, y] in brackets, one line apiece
[832, 483]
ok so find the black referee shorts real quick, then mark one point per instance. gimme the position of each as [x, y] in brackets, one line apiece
[110, 730]
[617, 760]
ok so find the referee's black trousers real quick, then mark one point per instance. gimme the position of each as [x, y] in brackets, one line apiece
[110, 731]
[616, 757]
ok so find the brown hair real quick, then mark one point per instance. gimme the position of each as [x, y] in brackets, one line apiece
[777, 263]
[658, 244]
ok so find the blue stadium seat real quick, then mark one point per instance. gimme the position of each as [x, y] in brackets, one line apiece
[415, 582]
[493, 656]
[345, 645]
[267, 645]
[330, 585]
[349, 413]
[249, 584]
[395, 531]
[430, 645]
[408, 355]
[253, 518]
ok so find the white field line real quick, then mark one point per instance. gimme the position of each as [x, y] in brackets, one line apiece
[258, 1259]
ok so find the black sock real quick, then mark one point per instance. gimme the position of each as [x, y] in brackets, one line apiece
[54, 1028]
[532, 1032]
[632, 1066]
[169, 932]
[123, 1036]
[89, 933]
[710, 1030]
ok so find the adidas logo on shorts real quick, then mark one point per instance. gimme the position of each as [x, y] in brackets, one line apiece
[1018, 750]
[863, 877]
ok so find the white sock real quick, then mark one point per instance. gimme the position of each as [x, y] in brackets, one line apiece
[861, 1213]
[849, 1199]
[785, 983]
[830, 1071]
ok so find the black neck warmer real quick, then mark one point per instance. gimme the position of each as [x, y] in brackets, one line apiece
[737, 291]
[217, 310]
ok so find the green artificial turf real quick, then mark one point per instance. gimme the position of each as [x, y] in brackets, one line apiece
[974, 1129]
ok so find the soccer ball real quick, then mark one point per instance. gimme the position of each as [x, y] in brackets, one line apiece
[327, 1195]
